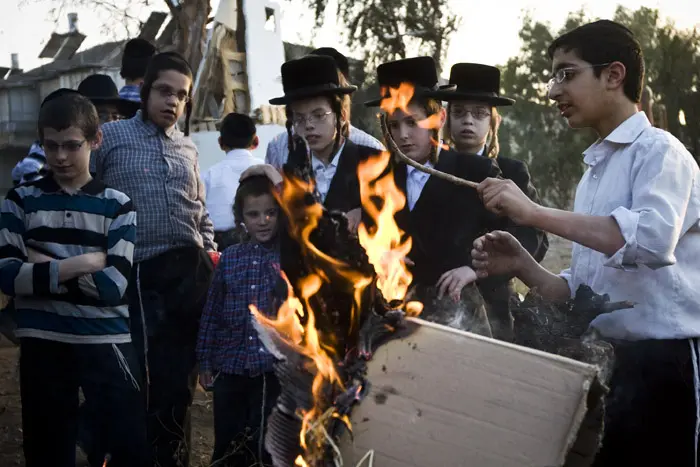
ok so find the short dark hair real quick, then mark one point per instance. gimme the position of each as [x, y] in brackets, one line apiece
[606, 41]
[237, 131]
[163, 62]
[69, 110]
[137, 54]
[256, 185]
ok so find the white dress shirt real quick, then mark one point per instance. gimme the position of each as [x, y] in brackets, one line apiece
[415, 182]
[277, 151]
[323, 174]
[648, 182]
[221, 183]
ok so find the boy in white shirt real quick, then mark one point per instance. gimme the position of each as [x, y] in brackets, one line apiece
[238, 138]
[636, 235]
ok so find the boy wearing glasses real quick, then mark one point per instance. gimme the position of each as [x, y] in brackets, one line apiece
[156, 164]
[636, 234]
[317, 100]
[67, 244]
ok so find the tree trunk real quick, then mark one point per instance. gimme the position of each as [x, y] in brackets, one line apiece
[191, 18]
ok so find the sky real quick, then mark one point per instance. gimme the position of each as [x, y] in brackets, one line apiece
[490, 35]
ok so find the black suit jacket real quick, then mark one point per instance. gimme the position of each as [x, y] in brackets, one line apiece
[447, 218]
[534, 240]
[344, 191]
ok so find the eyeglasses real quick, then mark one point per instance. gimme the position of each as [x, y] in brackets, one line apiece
[167, 91]
[479, 113]
[567, 74]
[313, 119]
[69, 146]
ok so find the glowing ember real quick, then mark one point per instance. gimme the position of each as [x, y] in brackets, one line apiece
[300, 462]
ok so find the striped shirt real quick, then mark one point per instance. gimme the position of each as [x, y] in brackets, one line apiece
[32, 167]
[159, 171]
[278, 151]
[91, 309]
[247, 273]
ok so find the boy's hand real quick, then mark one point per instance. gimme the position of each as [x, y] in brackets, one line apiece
[505, 198]
[452, 282]
[34, 256]
[498, 253]
[94, 262]
[206, 379]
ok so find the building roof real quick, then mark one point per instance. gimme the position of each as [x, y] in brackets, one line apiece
[105, 55]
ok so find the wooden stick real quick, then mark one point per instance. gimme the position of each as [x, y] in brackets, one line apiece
[393, 147]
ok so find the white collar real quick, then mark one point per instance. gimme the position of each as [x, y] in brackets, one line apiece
[237, 153]
[625, 133]
[319, 164]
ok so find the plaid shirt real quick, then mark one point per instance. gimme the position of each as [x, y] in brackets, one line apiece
[247, 274]
[277, 150]
[159, 171]
[131, 92]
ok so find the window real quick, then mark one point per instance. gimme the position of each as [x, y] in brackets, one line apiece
[270, 20]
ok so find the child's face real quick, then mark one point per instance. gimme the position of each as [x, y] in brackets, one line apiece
[469, 124]
[260, 214]
[68, 152]
[581, 97]
[315, 121]
[413, 140]
[168, 97]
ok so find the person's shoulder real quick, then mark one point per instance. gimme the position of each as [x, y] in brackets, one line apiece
[660, 145]
[363, 138]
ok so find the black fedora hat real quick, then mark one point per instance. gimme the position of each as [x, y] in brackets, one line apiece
[477, 82]
[100, 89]
[418, 71]
[310, 76]
[341, 60]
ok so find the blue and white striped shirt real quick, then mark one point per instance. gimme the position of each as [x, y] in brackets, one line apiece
[92, 309]
[131, 92]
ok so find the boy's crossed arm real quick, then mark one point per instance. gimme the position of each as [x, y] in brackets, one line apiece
[25, 272]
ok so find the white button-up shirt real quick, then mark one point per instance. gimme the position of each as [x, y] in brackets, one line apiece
[415, 182]
[648, 182]
[277, 150]
[221, 183]
[323, 174]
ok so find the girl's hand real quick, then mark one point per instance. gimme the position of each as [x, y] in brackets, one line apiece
[452, 282]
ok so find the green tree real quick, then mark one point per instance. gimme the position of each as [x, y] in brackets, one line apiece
[532, 130]
[393, 29]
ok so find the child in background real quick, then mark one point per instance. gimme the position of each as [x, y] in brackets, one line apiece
[66, 251]
[233, 361]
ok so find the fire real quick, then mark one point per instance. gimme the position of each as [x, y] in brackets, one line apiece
[387, 248]
[384, 247]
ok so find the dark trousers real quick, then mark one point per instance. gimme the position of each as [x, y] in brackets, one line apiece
[169, 365]
[51, 374]
[650, 410]
[241, 407]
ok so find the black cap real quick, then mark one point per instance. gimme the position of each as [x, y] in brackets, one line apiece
[310, 76]
[418, 71]
[477, 82]
[100, 89]
[340, 60]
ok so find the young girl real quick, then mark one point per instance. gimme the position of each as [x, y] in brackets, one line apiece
[318, 108]
[232, 359]
[472, 123]
[442, 218]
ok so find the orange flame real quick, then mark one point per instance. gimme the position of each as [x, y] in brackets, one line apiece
[384, 247]
[295, 321]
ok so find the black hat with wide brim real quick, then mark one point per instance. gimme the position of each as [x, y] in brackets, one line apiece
[418, 71]
[100, 89]
[477, 82]
[310, 76]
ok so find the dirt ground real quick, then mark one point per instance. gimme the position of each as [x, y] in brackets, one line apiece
[203, 432]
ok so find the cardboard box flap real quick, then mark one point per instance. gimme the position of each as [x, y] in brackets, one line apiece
[444, 397]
